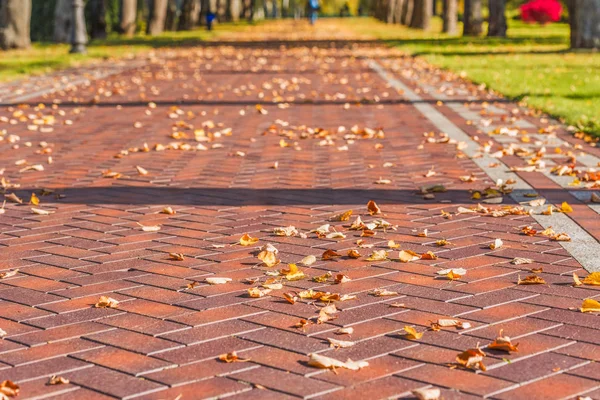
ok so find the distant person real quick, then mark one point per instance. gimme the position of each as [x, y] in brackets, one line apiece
[210, 17]
[313, 9]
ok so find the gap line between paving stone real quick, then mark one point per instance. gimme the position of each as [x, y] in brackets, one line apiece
[583, 247]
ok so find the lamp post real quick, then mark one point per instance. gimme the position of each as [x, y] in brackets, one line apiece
[78, 32]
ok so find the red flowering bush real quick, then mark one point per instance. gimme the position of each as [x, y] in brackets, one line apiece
[541, 11]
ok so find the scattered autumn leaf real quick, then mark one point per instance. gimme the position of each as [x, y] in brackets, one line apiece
[8, 274]
[412, 334]
[9, 389]
[291, 297]
[503, 343]
[373, 208]
[106, 302]
[141, 171]
[232, 357]
[592, 279]
[408, 256]
[258, 292]
[308, 261]
[168, 210]
[590, 305]
[352, 253]
[497, 244]
[565, 207]
[330, 254]
[427, 394]
[382, 292]
[520, 261]
[217, 280]
[57, 380]
[472, 359]
[247, 240]
[176, 256]
[345, 331]
[341, 278]
[531, 280]
[378, 255]
[320, 361]
[339, 344]
[345, 216]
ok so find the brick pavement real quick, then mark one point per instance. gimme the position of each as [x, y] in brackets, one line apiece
[329, 126]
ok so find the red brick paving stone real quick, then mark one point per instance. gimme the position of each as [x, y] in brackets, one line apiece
[14, 328]
[573, 332]
[516, 328]
[39, 388]
[504, 312]
[28, 297]
[286, 340]
[582, 350]
[18, 312]
[378, 368]
[46, 368]
[91, 314]
[206, 351]
[372, 348]
[589, 370]
[113, 383]
[207, 389]
[284, 382]
[533, 368]
[214, 331]
[261, 394]
[570, 317]
[428, 354]
[465, 381]
[81, 393]
[133, 341]
[528, 346]
[122, 360]
[142, 324]
[198, 371]
[555, 387]
[274, 357]
[389, 387]
[63, 333]
[198, 318]
[152, 309]
[48, 351]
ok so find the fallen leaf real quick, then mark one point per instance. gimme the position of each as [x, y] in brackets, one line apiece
[3, 333]
[268, 256]
[531, 280]
[352, 253]
[308, 261]
[412, 334]
[258, 292]
[565, 207]
[217, 281]
[57, 380]
[393, 245]
[232, 357]
[140, 170]
[176, 256]
[8, 389]
[320, 361]
[497, 244]
[408, 256]
[423, 233]
[538, 270]
[150, 228]
[592, 279]
[472, 359]
[301, 324]
[106, 302]
[429, 256]
[293, 273]
[345, 216]
[339, 344]
[345, 331]
[192, 285]
[291, 297]
[576, 281]
[373, 208]
[590, 305]
[503, 343]
[537, 202]
[168, 210]
[341, 278]
[442, 242]
[13, 198]
[427, 394]
[520, 261]
[8, 274]
[382, 293]
[247, 240]
[330, 254]
[34, 200]
[378, 255]
[382, 181]
[286, 231]
[561, 237]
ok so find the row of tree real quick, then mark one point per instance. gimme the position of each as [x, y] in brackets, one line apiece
[584, 17]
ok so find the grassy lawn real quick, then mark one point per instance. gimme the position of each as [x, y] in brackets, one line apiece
[532, 65]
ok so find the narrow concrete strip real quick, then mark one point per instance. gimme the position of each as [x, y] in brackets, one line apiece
[583, 247]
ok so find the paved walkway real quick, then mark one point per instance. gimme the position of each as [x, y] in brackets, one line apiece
[250, 137]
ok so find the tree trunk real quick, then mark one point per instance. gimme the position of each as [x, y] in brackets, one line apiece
[190, 14]
[472, 19]
[235, 9]
[128, 17]
[171, 14]
[390, 10]
[398, 11]
[407, 12]
[15, 20]
[63, 20]
[98, 20]
[584, 18]
[497, 19]
[450, 16]
[422, 14]
[156, 17]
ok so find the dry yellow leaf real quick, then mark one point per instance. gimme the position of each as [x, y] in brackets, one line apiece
[352, 253]
[590, 305]
[339, 344]
[408, 256]
[565, 207]
[247, 240]
[57, 380]
[258, 292]
[345, 216]
[503, 343]
[293, 273]
[8, 274]
[592, 279]
[412, 334]
[140, 170]
[472, 359]
[373, 208]
[308, 260]
[168, 210]
[378, 255]
[106, 302]
[217, 280]
[34, 200]
[232, 357]
[320, 361]
[9, 389]
[176, 256]
[531, 280]
[427, 394]
[330, 254]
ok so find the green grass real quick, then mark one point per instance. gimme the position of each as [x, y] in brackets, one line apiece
[533, 65]
[46, 57]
